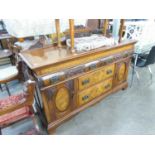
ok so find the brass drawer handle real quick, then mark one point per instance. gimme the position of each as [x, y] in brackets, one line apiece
[125, 55]
[93, 66]
[85, 81]
[107, 86]
[109, 71]
[55, 79]
[85, 97]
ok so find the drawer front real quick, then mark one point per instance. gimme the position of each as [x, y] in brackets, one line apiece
[94, 91]
[95, 77]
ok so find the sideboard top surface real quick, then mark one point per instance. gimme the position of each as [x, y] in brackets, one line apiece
[51, 55]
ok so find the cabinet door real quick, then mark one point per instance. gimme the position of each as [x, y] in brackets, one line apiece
[59, 100]
[62, 99]
[121, 71]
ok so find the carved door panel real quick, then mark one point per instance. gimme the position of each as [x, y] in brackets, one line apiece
[121, 71]
[60, 100]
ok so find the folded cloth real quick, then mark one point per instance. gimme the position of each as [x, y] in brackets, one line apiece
[92, 42]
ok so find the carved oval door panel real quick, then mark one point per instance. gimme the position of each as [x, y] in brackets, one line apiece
[121, 71]
[62, 99]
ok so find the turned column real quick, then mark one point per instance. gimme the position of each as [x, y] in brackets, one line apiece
[105, 27]
[121, 29]
[71, 26]
[57, 25]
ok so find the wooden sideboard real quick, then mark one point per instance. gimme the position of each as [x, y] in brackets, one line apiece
[71, 82]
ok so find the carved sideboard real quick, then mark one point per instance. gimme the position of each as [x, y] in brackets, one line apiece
[71, 82]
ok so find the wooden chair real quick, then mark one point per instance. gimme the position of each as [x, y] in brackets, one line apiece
[9, 73]
[18, 107]
[5, 56]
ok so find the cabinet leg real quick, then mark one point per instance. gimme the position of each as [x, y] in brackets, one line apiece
[52, 131]
[124, 88]
[35, 122]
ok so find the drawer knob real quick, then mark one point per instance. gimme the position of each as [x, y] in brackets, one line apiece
[93, 66]
[55, 79]
[109, 71]
[85, 97]
[107, 86]
[85, 82]
[125, 55]
[110, 60]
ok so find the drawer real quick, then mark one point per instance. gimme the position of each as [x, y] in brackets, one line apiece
[95, 77]
[94, 91]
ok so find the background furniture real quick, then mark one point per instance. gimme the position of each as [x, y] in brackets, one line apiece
[146, 61]
[144, 32]
[18, 107]
[93, 24]
[13, 72]
[6, 57]
[3, 40]
[8, 74]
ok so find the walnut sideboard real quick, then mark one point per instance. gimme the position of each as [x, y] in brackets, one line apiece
[68, 83]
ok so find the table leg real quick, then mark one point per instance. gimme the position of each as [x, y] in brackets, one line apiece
[11, 60]
[133, 70]
[136, 58]
[1, 87]
[7, 88]
[1, 44]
